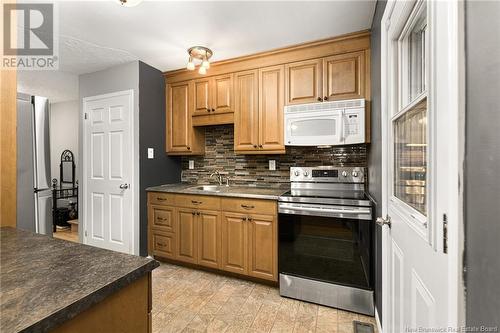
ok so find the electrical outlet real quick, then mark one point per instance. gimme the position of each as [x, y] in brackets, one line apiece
[151, 153]
[272, 165]
[191, 164]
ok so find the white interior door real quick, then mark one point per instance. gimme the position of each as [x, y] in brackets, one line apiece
[108, 171]
[420, 187]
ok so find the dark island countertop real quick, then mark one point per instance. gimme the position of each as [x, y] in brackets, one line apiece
[45, 281]
[249, 192]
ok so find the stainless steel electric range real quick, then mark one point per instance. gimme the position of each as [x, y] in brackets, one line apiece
[326, 238]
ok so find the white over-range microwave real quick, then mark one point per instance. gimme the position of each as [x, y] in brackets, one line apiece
[325, 123]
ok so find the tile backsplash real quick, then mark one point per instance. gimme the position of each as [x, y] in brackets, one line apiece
[253, 170]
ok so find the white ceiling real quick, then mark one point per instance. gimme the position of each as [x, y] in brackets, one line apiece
[96, 35]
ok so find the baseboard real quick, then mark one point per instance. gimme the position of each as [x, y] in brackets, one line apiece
[377, 319]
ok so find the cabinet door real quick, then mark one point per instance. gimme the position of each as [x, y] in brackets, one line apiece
[186, 235]
[209, 238]
[222, 94]
[344, 76]
[262, 249]
[271, 91]
[234, 243]
[202, 97]
[246, 129]
[179, 104]
[303, 82]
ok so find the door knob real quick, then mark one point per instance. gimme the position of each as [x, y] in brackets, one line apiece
[384, 221]
[124, 186]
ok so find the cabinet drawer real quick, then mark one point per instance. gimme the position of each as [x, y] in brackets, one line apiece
[198, 201]
[249, 206]
[159, 198]
[163, 244]
[162, 218]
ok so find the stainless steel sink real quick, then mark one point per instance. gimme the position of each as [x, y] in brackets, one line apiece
[208, 188]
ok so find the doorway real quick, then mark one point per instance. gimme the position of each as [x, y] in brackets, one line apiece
[109, 199]
[422, 84]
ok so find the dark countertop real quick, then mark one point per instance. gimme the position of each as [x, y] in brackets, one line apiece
[45, 281]
[266, 193]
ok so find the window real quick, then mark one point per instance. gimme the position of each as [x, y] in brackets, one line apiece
[410, 130]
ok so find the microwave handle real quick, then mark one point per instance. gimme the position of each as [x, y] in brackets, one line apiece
[341, 125]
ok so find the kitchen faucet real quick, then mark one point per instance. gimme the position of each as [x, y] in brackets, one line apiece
[218, 176]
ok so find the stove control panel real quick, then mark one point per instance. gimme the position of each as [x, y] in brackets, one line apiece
[328, 174]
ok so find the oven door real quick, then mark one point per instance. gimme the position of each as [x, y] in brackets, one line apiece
[313, 128]
[326, 248]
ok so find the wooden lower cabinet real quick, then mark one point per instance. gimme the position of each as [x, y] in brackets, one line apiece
[262, 247]
[242, 241]
[186, 235]
[209, 243]
[234, 243]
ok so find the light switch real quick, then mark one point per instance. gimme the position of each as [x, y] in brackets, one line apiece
[191, 164]
[151, 153]
[272, 165]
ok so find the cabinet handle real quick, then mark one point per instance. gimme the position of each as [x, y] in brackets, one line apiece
[249, 218]
[325, 98]
[320, 99]
[192, 213]
[248, 206]
[260, 146]
[188, 147]
[161, 199]
[244, 218]
[213, 110]
[195, 202]
[161, 219]
[208, 110]
[198, 213]
[161, 244]
[255, 146]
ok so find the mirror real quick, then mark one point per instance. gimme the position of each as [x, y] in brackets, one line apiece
[67, 168]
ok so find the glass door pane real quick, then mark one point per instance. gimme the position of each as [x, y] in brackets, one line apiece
[410, 157]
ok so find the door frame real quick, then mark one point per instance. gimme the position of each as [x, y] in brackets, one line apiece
[451, 20]
[134, 177]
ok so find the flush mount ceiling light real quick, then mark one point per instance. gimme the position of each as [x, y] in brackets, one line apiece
[129, 3]
[201, 53]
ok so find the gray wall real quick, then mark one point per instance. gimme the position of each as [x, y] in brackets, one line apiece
[482, 163]
[162, 169]
[375, 151]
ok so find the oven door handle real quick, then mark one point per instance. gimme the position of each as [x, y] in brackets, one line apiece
[363, 214]
[329, 210]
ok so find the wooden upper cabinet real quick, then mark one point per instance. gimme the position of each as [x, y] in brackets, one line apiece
[222, 94]
[182, 138]
[344, 76]
[271, 103]
[246, 131]
[178, 116]
[213, 95]
[209, 240]
[234, 243]
[303, 82]
[201, 97]
[186, 236]
[262, 239]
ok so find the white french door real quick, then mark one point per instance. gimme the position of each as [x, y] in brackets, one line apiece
[108, 171]
[421, 188]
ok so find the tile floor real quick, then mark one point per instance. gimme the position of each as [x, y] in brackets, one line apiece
[188, 300]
